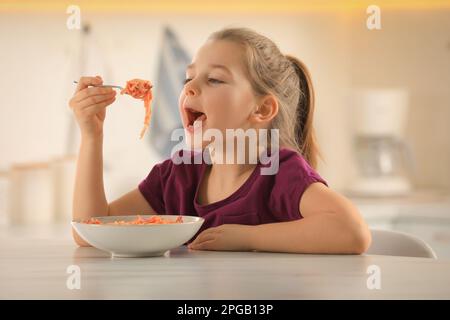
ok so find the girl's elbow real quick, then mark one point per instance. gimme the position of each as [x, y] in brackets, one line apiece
[361, 240]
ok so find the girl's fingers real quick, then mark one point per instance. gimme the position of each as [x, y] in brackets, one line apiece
[206, 234]
[90, 111]
[207, 245]
[209, 230]
[92, 91]
[84, 82]
[204, 237]
[203, 233]
[93, 100]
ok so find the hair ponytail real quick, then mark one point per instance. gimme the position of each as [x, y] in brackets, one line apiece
[304, 131]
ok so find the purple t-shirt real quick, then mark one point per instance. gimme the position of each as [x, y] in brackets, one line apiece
[172, 188]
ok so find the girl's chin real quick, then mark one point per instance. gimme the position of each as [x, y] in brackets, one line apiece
[195, 146]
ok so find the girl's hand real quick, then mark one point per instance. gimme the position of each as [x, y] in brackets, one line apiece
[89, 105]
[229, 237]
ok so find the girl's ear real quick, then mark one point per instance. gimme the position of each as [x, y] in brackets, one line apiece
[266, 110]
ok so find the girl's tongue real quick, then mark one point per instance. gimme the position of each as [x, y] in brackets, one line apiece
[199, 119]
[198, 122]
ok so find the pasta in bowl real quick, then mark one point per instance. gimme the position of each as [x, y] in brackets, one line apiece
[138, 236]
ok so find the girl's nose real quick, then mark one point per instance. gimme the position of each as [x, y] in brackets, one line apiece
[190, 90]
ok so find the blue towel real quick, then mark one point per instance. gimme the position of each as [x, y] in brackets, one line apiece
[173, 61]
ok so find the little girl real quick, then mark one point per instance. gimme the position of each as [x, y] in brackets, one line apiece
[238, 79]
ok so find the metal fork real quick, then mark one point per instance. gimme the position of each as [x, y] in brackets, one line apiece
[105, 86]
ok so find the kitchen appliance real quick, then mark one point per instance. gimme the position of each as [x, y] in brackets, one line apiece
[383, 157]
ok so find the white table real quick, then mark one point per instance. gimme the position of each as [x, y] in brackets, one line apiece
[33, 264]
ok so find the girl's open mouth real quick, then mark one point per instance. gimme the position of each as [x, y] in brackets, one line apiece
[195, 119]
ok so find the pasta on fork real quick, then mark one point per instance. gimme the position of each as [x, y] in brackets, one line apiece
[141, 89]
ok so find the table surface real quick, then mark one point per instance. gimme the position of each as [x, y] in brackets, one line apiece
[34, 263]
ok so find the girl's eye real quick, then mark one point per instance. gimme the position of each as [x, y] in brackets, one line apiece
[214, 80]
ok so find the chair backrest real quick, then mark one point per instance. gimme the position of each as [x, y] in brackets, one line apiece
[395, 243]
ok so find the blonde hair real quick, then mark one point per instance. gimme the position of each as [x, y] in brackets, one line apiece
[287, 78]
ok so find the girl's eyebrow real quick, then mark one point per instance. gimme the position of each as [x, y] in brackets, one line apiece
[212, 66]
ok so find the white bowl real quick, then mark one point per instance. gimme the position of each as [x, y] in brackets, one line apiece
[138, 240]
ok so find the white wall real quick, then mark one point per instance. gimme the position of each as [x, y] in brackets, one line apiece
[37, 68]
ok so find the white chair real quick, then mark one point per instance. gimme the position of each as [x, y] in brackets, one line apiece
[395, 243]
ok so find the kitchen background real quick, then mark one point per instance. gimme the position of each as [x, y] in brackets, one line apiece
[382, 97]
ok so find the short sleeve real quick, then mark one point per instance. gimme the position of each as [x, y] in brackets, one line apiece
[293, 178]
[300, 188]
[153, 186]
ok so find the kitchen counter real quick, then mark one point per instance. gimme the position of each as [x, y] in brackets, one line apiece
[34, 264]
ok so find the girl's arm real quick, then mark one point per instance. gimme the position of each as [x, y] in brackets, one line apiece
[89, 104]
[89, 196]
[330, 224]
